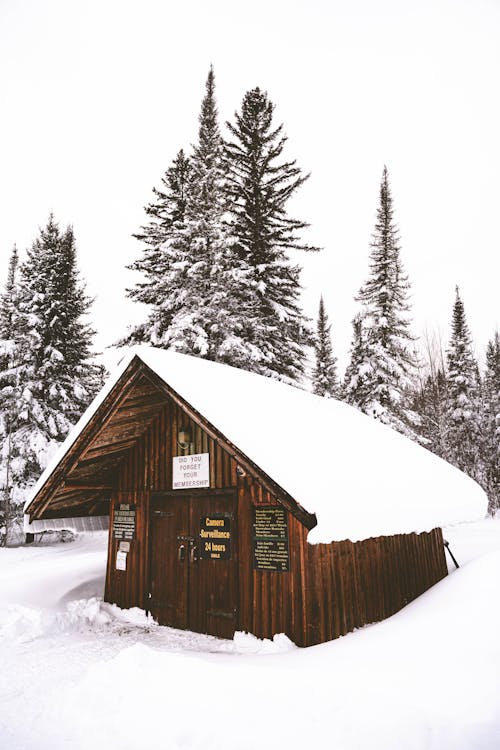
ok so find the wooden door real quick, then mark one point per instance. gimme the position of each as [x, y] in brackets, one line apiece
[213, 574]
[169, 559]
[193, 562]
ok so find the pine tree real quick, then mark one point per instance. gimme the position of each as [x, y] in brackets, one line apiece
[491, 422]
[8, 306]
[169, 207]
[325, 381]
[464, 398]
[204, 324]
[8, 327]
[163, 269]
[260, 183]
[430, 405]
[191, 285]
[54, 378]
[359, 381]
[383, 364]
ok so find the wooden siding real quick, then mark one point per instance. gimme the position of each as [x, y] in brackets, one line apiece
[329, 589]
[368, 581]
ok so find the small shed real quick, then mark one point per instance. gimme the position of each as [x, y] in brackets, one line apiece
[236, 502]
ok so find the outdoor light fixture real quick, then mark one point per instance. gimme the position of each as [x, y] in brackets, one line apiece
[184, 437]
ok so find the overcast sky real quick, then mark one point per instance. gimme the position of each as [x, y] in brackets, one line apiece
[96, 98]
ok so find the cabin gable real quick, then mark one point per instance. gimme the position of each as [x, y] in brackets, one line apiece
[268, 601]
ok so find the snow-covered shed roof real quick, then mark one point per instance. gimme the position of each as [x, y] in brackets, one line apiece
[361, 478]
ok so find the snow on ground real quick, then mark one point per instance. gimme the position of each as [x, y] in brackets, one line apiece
[78, 673]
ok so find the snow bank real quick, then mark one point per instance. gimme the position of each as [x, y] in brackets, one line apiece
[426, 678]
[361, 478]
[24, 624]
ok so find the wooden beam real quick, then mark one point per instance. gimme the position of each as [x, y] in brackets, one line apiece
[69, 486]
[105, 449]
[100, 419]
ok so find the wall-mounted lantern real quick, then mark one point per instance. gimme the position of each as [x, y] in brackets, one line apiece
[184, 438]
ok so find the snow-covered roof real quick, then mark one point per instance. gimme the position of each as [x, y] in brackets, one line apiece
[361, 478]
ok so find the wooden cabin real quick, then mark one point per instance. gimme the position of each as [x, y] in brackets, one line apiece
[210, 477]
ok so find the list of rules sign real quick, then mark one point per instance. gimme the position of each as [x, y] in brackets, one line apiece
[270, 539]
[124, 521]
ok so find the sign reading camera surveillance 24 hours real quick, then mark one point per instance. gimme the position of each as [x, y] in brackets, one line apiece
[189, 472]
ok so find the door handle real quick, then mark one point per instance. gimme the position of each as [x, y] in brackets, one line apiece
[193, 557]
[181, 554]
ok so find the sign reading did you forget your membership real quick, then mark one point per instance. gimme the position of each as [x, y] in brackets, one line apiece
[189, 472]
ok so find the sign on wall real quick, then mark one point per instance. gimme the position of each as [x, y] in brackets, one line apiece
[189, 472]
[124, 521]
[215, 537]
[270, 539]
[121, 561]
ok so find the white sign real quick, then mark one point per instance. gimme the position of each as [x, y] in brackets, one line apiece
[189, 472]
[121, 561]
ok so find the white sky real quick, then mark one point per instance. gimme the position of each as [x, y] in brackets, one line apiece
[97, 97]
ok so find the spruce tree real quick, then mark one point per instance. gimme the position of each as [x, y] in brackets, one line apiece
[8, 308]
[463, 398]
[260, 183]
[189, 263]
[207, 320]
[359, 381]
[55, 379]
[325, 381]
[163, 269]
[169, 206]
[491, 422]
[430, 405]
[8, 328]
[383, 365]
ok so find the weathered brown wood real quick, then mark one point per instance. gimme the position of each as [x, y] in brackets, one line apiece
[73, 487]
[102, 416]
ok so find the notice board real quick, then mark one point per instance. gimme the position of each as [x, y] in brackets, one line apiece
[270, 538]
[124, 521]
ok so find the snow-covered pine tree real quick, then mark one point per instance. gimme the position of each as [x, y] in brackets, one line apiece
[192, 286]
[464, 406]
[55, 379]
[383, 365]
[169, 206]
[204, 325]
[8, 327]
[8, 307]
[324, 380]
[491, 422]
[162, 267]
[359, 381]
[430, 405]
[260, 182]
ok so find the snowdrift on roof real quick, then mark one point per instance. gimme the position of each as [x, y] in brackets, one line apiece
[361, 478]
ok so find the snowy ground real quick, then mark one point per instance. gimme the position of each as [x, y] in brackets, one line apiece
[77, 673]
